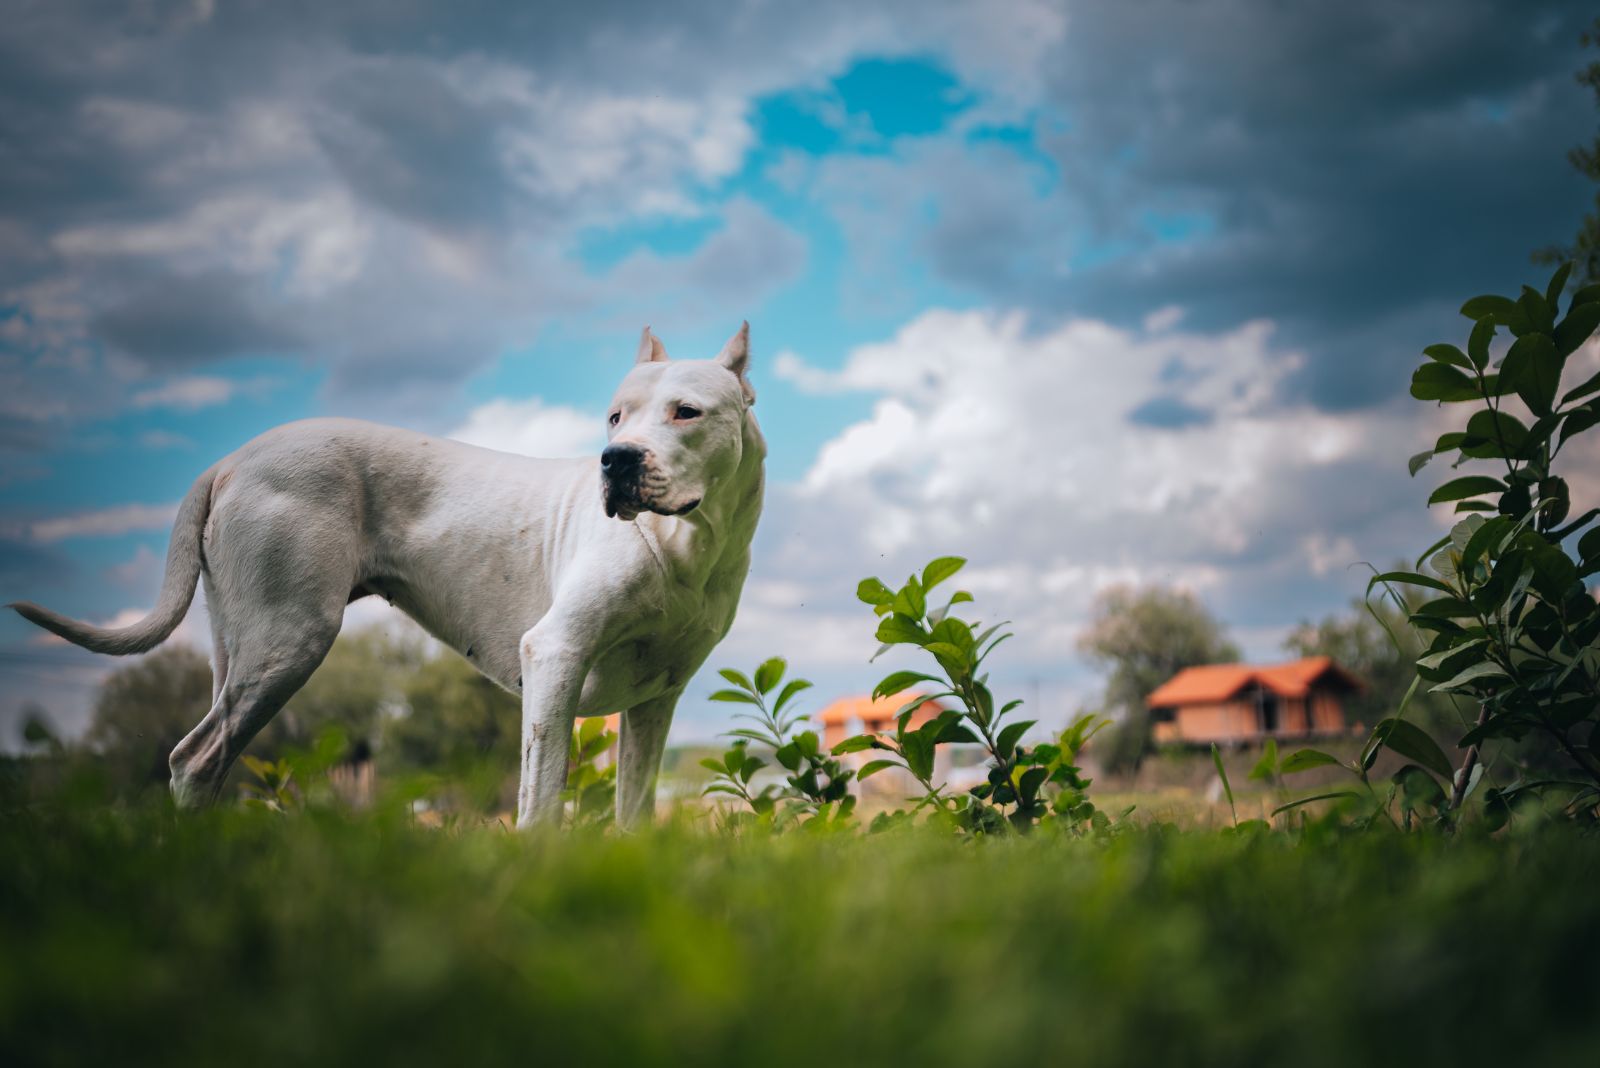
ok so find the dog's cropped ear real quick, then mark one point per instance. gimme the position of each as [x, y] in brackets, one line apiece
[735, 356]
[651, 350]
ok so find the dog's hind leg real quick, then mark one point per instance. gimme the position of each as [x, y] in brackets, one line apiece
[261, 675]
[219, 647]
[275, 610]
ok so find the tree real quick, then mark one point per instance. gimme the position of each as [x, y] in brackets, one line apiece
[1145, 637]
[452, 716]
[363, 676]
[1585, 247]
[143, 711]
[1381, 646]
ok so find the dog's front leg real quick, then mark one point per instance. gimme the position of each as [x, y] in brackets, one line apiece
[554, 665]
[644, 739]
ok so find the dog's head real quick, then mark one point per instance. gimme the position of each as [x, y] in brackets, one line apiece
[676, 427]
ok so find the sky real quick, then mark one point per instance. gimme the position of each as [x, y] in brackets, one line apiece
[1089, 293]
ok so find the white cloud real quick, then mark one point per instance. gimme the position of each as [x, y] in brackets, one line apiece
[980, 418]
[189, 393]
[104, 522]
[533, 428]
[144, 564]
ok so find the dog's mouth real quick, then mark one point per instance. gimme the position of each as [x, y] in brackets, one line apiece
[628, 502]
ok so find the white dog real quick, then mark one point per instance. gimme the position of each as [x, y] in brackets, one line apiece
[587, 586]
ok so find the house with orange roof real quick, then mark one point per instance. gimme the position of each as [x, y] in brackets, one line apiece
[1237, 703]
[850, 716]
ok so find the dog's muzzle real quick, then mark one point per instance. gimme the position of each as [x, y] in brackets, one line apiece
[622, 478]
[630, 487]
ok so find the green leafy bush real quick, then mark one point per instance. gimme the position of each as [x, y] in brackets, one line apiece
[1514, 628]
[817, 790]
[1025, 784]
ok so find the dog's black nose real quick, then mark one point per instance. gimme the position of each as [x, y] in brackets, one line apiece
[619, 460]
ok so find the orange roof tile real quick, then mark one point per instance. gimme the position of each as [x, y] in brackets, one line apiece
[1217, 682]
[866, 709]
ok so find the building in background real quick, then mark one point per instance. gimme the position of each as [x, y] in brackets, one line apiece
[1239, 703]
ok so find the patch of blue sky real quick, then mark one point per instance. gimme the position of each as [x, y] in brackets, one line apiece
[913, 96]
[863, 110]
[112, 462]
[1178, 227]
[600, 248]
[1021, 138]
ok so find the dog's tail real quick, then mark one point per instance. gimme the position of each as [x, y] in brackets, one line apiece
[177, 589]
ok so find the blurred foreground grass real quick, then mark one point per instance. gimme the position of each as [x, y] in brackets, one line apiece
[249, 937]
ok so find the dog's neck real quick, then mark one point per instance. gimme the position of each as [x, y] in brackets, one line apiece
[716, 536]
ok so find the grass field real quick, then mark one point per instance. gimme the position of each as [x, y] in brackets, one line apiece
[250, 937]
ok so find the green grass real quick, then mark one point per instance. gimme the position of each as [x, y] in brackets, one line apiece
[252, 938]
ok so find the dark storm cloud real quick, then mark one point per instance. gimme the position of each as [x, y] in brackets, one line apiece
[404, 139]
[1354, 167]
[176, 322]
[184, 181]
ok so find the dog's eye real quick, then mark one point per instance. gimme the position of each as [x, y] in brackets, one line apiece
[616, 417]
[686, 411]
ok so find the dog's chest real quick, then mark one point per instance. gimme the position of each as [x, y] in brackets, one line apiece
[657, 660]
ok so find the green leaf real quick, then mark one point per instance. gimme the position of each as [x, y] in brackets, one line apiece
[1440, 382]
[1006, 743]
[899, 682]
[957, 732]
[1447, 354]
[1471, 679]
[737, 678]
[738, 696]
[792, 687]
[1478, 344]
[1412, 741]
[1533, 369]
[872, 591]
[917, 748]
[1314, 797]
[1227, 787]
[1305, 760]
[788, 756]
[1409, 578]
[768, 674]
[872, 767]
[1558, 284]
[1444, 608]
[1541, 316]
[1502, 434]
[713, 765]
[941, 569]
[1418, 788]
[1577, 328]
[1490, 305]
[1589, 544]
[946, 651]
[897, 629]
[1436, 661]
[1028, 785]
[903, 716]
[1589, 385]
[1267, 766]
[1582, 418]
[911, 601]
[856, 744]
[1419, 461]
[1467, 486]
